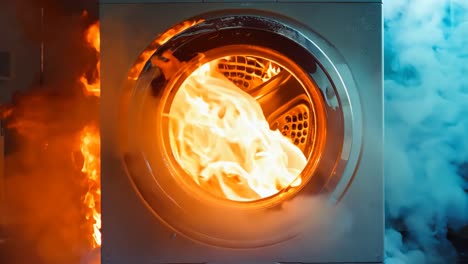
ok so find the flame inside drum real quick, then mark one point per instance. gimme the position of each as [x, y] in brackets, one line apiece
[221, 138]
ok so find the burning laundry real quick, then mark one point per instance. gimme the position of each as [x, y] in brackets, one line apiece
[220, 136]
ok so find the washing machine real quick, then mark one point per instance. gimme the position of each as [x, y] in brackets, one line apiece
[242, 131]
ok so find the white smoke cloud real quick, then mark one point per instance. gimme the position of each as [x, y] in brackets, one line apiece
[426, 96]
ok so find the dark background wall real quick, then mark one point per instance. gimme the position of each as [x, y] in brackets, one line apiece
[25, 51]
[20, 66]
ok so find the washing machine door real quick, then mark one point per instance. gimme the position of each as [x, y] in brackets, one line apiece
[305, 93]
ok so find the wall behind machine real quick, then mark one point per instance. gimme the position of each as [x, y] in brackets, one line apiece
[21, 51]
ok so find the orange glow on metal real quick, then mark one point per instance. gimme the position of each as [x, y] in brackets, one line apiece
[163, 38]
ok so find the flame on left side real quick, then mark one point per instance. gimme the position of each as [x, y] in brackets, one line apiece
[90, 148]
[92, 87]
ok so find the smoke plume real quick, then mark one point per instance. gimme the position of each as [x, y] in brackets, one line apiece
[45, 218]
[426, 143]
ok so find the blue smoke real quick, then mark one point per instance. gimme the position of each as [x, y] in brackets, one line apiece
[426, 134]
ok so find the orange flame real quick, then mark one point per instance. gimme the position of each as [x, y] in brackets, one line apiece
[92, 87]
[5, 112]
[221, 138]
[146, 54]
[90, 149]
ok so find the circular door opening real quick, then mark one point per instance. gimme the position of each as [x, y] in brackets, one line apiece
[243, 125]
[228, 119]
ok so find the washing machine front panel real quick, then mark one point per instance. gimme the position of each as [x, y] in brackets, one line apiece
[132, 234]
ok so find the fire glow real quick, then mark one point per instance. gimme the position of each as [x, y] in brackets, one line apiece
[220, 137]
[93, 38]
[147, 53]
[90, 149]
